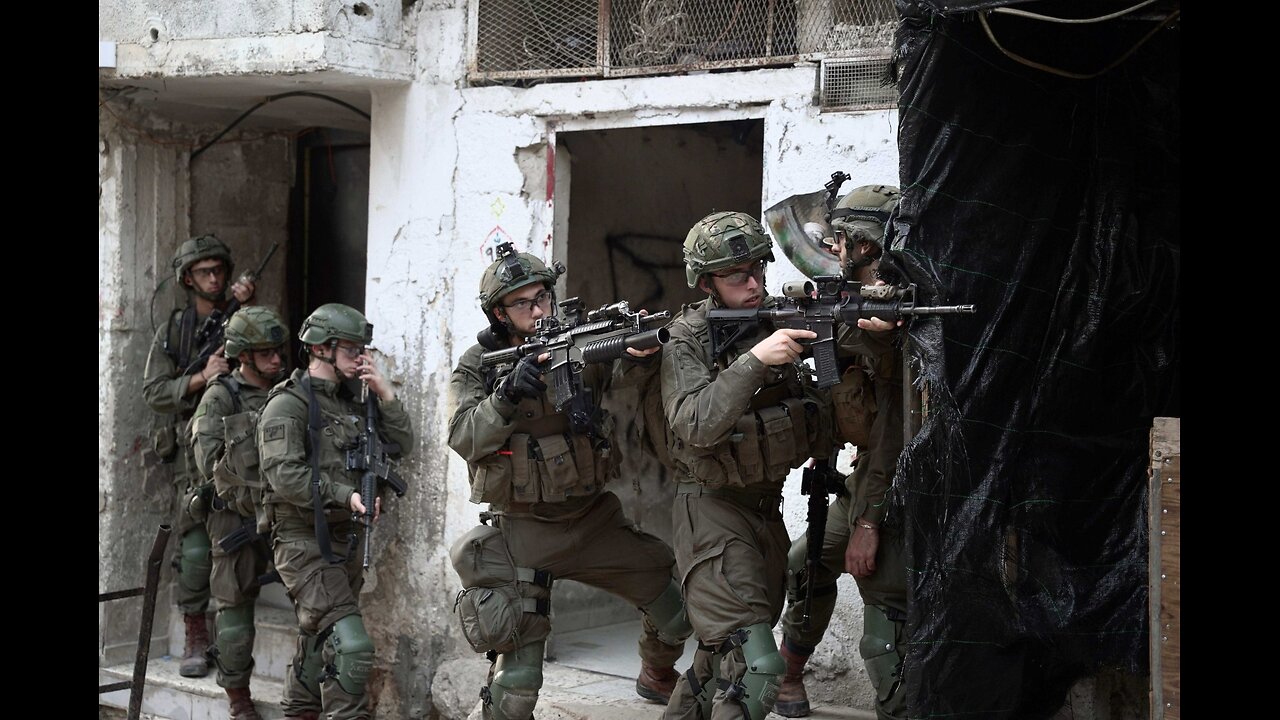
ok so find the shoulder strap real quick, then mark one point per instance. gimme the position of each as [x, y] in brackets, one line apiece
[233, 387]
[317, 505]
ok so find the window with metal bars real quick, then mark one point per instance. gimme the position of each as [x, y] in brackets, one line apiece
[541, 39]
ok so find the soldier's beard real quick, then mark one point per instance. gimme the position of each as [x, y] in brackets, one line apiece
[216, 298]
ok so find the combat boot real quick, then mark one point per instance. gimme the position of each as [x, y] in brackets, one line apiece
[195, 662]
[792, 701]
[242, 705]
[656, 683]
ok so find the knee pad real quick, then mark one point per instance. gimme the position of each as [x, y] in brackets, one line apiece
[517, 677]
[308, 663]
[235, 639]
[795, 568]
[668, 616]
[352, 654]
[757, 691]
[196, 560]
[882, 657]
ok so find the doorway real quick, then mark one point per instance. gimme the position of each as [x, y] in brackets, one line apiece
[624, 200]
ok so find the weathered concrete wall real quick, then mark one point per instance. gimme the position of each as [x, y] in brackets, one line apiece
[170, 39]
[142, 209]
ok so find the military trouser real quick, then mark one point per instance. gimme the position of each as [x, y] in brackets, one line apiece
[192, 559]
[731, 551]
[325, 598]
[234, 587]
[835, 540]
[600, 548]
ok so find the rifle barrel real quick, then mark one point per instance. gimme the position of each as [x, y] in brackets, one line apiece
[944, 310]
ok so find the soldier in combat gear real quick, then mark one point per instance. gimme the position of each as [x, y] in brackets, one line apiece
[310, 423]
[544, 482]
[739, 423]
[868, 404]
[173, 383]
[225, 439]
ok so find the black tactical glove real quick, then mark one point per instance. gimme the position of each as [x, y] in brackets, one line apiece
[523, 381]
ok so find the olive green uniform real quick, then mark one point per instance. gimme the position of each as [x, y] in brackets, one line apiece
[325, 595]
[164, 389]
[545, 486]
[739, 427]
[884, 592]
[234, 582]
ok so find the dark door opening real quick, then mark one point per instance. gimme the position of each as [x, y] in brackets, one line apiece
[328, 222]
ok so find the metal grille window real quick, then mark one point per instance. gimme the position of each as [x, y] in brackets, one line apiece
[536, 39]
[856, 85]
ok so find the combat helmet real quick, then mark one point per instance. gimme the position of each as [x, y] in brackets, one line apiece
[335, 321]
[863, 212]
[254, 328]
[512, 271]
[721, 240]
[200, 247]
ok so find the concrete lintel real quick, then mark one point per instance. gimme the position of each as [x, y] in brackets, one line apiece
[614, 121]
[633, 95]
[366, 63]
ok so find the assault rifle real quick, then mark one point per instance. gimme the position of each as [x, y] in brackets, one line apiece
[209, 335]
[370, 456]
[564, 339]
[818, 306]
[818, 482]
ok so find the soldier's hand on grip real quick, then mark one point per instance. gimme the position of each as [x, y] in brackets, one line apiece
[525, 380]
[781, 347]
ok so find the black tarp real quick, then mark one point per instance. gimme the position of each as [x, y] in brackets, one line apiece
[1053, 205]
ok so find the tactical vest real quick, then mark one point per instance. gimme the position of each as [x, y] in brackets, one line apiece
[543, 460]
[170, 432]
[785, 424]
[339, 432]
[236, 478]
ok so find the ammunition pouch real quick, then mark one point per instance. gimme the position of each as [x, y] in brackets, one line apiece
[164, 437]
[854, 404]
[764, 445]
[502, 607]
[549, 468]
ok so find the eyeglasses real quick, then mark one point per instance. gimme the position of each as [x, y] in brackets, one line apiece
[740, 277]
[268, 353]
[542, 300]
[352, 351]
[218, 270]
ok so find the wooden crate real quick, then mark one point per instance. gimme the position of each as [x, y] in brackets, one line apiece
[1165, 562]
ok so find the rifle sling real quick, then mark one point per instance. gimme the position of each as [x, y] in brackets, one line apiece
[317, 505]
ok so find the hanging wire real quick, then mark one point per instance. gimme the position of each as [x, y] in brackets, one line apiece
[1050, 18]
[296, 93]
[982, 18]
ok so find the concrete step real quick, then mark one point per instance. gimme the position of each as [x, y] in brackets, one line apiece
[169, 696]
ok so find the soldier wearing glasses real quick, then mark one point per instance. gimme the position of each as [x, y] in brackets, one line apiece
[739, 423]
[545, 483]
[173, 382]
